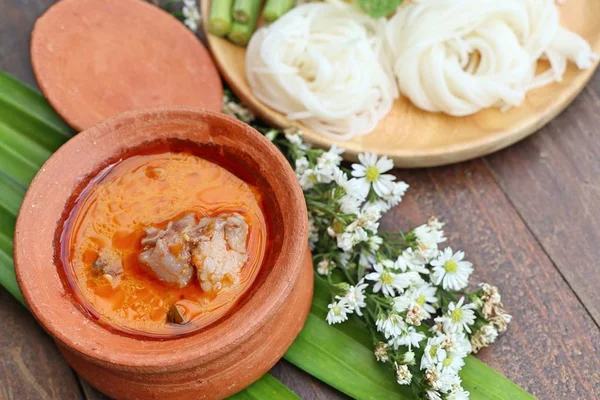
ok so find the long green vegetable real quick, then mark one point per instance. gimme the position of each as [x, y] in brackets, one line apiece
[245, 11]
[379, 8]
[339, 355]
[219, 20]
[276, 8]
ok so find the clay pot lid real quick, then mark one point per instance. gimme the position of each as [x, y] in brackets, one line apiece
[94, 59]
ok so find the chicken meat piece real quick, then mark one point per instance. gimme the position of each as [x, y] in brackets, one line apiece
[220, 259]
[167, 253]
[109, 265]
[216, 247]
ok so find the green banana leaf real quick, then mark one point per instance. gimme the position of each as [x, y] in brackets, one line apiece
[340, 355]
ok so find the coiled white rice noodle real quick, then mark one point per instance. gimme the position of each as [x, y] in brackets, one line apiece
[326, 65]
[461, 56]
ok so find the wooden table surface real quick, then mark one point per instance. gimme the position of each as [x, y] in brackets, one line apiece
[527, 216]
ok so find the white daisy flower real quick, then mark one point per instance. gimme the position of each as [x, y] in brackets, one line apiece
[403, 375]
[441, 379]
[458, 394]
[374, 208]
[391, 325]
[349, 185]
[338, 312]
[355, 297]
[370, 172]
[433, 354]
[401, 263]
[367, 218]
[308, 178]
[395, 196]
[485, 336]
[301, 165]
[388, 282]
[366, 259]
[381, 352]
[340, 178]
[457, 343]
[433, 395]
[428, 239]
[344, 259]
[414, 261]
[296, 139]
[424, 296]
[347, 240]
[330, 158]
[350, 204]
[435, 223]
[374, 242]
[451, 271]
[324, 267]
[458, 318]
[453, 361]
[191, 15]
[408, 358]
[409, 337]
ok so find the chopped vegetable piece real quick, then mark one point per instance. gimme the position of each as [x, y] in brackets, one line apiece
[219, 21]
[240, 33]
[246, 11]
[276, 8]
[176, 315]
[379, 8]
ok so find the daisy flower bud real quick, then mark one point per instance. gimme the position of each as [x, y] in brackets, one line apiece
[403, 375]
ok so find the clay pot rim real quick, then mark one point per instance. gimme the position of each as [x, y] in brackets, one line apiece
[206, 345]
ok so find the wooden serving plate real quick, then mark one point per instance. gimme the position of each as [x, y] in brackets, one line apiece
[416, 138]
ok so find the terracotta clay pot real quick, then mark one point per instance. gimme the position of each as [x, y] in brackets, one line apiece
[212, 363]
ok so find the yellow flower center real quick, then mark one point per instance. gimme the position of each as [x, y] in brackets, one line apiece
[456, 315]
[447, 362]
[450, 266]
[372, 174]
[421, 300]
[337, 310]
[433, 351]
[337, 227]
[387, 278]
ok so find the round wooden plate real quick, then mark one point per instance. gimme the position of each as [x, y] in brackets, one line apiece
[416, 138]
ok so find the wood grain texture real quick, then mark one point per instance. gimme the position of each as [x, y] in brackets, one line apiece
[303, 384]
[553, 181]
[30, 365]
[90, 393]
[17, 18]
[416, 138]
[552, 347]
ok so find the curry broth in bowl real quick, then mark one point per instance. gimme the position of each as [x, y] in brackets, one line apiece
[163, 244]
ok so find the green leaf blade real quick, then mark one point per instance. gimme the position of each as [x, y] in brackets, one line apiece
[266, 388]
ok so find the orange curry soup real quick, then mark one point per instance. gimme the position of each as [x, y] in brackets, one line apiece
[207, 219]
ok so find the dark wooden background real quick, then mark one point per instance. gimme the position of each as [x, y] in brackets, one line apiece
[527, 216]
